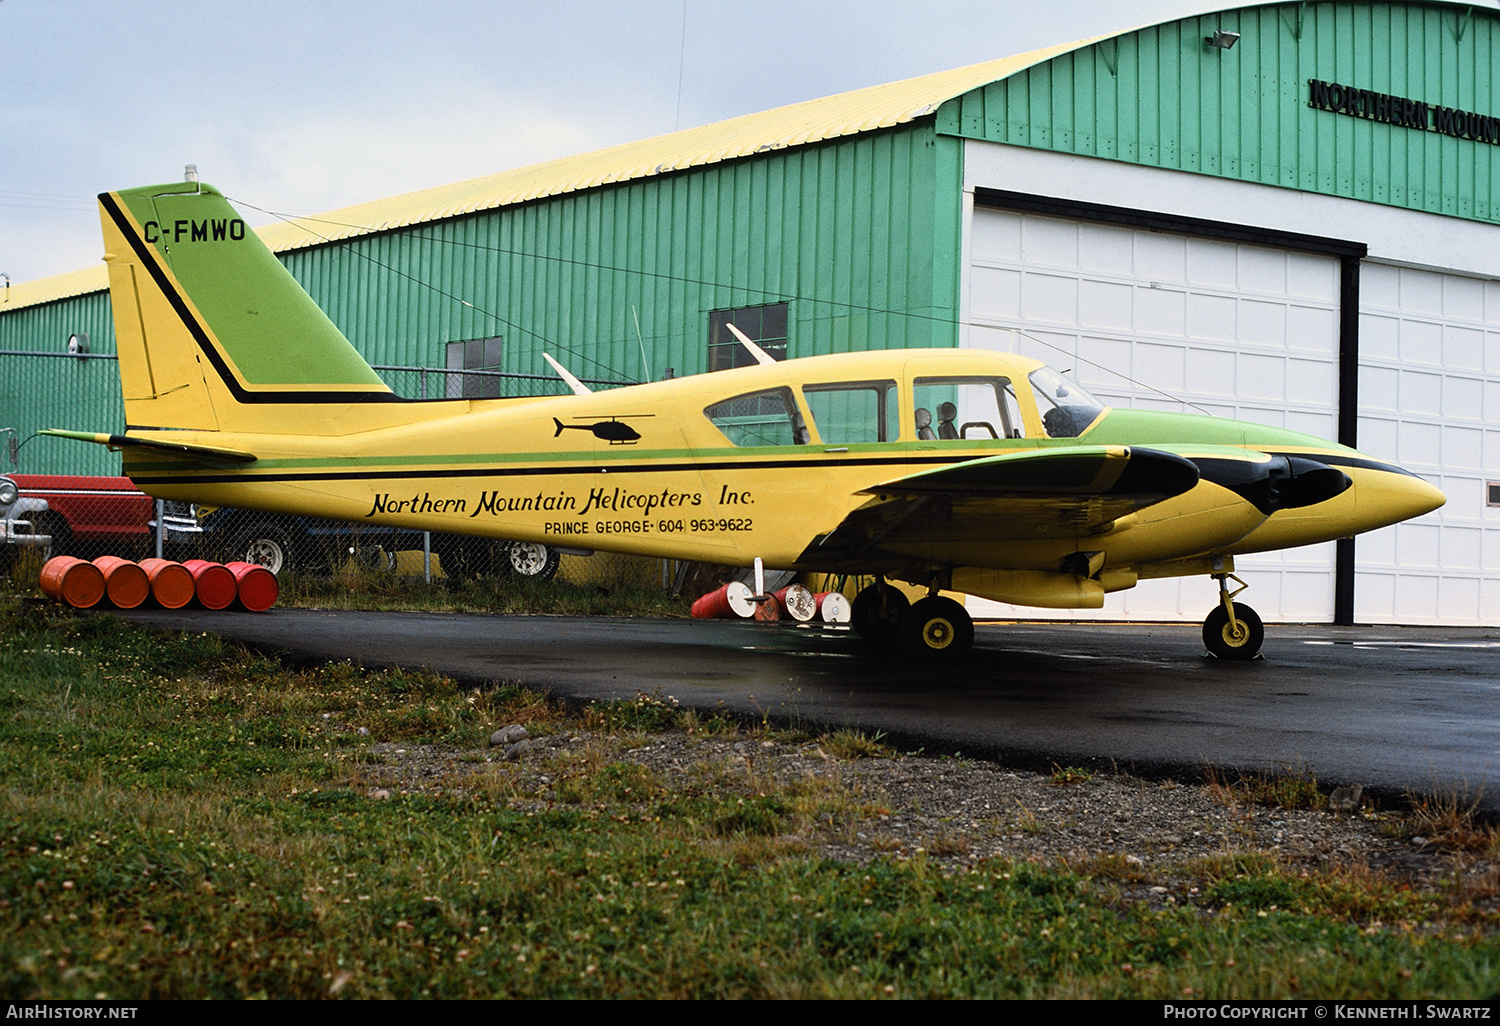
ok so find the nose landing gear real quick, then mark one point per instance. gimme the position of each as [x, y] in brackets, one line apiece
[1232, 631]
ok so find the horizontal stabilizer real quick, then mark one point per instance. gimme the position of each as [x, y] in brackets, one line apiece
[180, 449]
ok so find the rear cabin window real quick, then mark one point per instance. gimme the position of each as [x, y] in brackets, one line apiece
[948, 409]
[853, 412]
[760, 418]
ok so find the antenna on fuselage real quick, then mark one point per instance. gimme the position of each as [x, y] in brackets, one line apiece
[578, 387]
[761, 356]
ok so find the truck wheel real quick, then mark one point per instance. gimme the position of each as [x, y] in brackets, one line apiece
[263, 544]
[57, 527]
[529, 559]
[460, 557]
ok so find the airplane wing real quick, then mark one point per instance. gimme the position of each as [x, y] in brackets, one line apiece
[1012, 497]
[181, 450]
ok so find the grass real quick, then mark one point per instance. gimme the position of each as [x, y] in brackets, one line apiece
[493, 594]
[1065, 775]
[1451, 821]
[184, 820]
[856, 744]
[1294, 788]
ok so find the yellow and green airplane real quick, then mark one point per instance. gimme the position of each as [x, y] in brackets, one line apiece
[953, 470]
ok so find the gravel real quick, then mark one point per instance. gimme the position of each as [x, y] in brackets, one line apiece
[964, 810]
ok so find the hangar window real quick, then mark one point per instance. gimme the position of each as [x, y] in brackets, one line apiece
[760, 418]
[474, 354]
[766, 326]
[972, 408]
[850, 412]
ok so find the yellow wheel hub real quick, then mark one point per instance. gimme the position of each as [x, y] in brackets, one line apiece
[938, 634]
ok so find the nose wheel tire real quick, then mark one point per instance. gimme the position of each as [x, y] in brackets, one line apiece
[1240, 640]
[936, 629]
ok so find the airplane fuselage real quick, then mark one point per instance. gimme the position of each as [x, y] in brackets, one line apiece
[511, 469]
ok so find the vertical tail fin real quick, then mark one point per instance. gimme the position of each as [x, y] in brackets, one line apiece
[210, 326]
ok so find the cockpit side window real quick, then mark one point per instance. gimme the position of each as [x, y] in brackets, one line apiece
[760, 418]
[966, 408]
[1066, 407]
[852, 412]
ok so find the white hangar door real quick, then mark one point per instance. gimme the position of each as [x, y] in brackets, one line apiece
[1155, 320]
[1429, 385]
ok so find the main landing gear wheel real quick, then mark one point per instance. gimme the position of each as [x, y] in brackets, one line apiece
[460, 557]
[1238, 640]
[876, 612]
[936, 629]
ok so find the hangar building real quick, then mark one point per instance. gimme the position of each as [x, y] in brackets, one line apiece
[1283, 212]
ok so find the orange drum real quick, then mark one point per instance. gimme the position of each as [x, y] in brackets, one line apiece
[213, 583]
[171, 583]
[257, 586]
[125, 583]
[75, 581]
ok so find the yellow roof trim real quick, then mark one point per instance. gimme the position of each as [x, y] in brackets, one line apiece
[58, 286]
[831, 117]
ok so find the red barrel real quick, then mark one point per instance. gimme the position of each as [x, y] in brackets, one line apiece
[713, 605]
[833, 607]
[125, 582]
[797, 602]
[74, 581]
[731, 600]
[213, 583]
[171, 583]
[768, 610]
[257, 586]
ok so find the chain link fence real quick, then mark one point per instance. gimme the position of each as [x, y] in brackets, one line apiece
[68, 512]
[87, 517]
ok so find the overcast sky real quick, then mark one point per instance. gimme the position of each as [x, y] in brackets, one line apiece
[304, 106]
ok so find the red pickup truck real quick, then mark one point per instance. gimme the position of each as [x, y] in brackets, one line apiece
[77, 516]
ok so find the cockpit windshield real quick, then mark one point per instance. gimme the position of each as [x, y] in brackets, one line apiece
[1066, 407]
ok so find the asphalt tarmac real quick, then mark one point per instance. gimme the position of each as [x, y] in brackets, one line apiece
[1397, 709]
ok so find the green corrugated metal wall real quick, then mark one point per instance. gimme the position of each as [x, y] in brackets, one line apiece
[55, 391]
[1160, 97]
[845, 231]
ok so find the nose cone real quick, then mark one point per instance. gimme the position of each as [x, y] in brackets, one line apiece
[1387, 497]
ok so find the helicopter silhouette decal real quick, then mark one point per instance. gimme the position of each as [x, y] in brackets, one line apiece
[614, 431]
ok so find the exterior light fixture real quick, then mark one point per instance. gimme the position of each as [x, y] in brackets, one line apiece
[78, 344]
[1222, 40]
